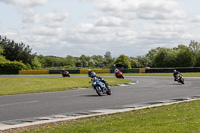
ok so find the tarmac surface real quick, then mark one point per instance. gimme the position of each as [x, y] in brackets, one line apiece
[16, 109]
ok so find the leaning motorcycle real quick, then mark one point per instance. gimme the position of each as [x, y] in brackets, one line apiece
[180, 78]
[101, 86]
[65, 74]
[119, 75]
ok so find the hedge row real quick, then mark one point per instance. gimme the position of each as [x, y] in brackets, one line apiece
[12, 66]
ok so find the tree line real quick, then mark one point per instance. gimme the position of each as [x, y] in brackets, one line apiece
[180, 56]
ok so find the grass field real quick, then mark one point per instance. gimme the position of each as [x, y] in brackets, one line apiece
[23, 85]
[181, 118]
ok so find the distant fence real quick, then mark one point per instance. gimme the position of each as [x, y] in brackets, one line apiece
[170, 70]
[59, 71]
[85, 71]
[136, 70]
[159, 70]
[34, 72]
[9, 72]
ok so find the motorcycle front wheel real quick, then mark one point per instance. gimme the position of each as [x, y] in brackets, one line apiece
[99, 90]
[182, 81]
[108, 89]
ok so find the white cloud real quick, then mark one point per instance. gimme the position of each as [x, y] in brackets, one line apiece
[26, 3]
[92, 15]
[30, 15]
[129, 27]
[46, 31]
[143, 9]
[109, 21]
[56, 18]
[196, 19]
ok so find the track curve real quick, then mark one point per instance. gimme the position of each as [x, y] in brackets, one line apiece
[148, 89]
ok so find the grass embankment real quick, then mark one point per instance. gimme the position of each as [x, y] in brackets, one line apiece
[23, 85]
[181, 117]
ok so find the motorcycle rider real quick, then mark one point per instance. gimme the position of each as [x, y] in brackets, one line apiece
[64, 72]
[117, 71]
[89, 72]
[175, 73]
[94, 78]
[93, 75]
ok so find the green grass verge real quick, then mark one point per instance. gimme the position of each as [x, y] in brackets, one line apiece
[182, 118]
[23, 85]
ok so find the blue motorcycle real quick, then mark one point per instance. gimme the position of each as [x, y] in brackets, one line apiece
[101, 86]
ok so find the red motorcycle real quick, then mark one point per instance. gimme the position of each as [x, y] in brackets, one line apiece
[65, 74]
[119, 75]
[180, 78]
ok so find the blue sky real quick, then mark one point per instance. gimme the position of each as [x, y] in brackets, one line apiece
[93, 27]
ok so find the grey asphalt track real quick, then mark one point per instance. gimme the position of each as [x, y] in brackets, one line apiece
[148, 89]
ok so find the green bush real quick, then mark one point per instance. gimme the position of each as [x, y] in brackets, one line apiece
[12, 65]
[122, 59]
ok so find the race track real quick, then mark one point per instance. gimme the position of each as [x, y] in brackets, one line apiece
[148, 89]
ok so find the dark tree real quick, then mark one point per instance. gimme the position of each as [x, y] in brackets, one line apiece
[16, 51]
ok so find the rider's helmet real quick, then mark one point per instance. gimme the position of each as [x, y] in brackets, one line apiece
[89, 70]
[116, 70]
[174, 70]
[93, 74]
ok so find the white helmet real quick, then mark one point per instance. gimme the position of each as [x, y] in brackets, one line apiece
[93, 74]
